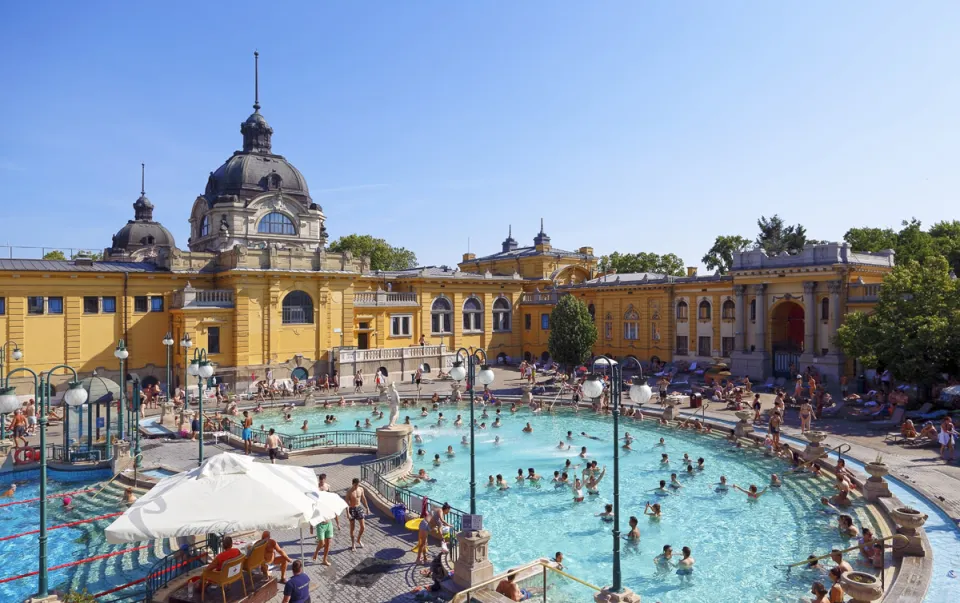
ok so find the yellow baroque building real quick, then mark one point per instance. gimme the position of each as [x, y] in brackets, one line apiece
[259, 291]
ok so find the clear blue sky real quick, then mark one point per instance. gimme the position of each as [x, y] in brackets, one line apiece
[630, 126]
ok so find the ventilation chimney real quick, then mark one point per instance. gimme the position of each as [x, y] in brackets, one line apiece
[691, 271]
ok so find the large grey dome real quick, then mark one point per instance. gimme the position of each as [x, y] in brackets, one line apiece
[255, 169]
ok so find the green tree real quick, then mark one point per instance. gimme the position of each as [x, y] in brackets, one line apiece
[382, 255]
[776, 237]
[946, 240]
[913, 243]
[720, 256]
[96, 256]
[871, 239]
[625, 263]
[56, 254]
[913, 330]
[572, 332]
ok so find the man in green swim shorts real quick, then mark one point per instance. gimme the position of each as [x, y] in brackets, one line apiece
[325, 539]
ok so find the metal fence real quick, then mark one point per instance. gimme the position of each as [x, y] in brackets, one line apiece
[322, 439]
[73, 454]
[173, 565]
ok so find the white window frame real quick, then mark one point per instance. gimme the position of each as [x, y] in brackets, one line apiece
[445, 317]
[499, 314]
[472, 318]
[401, 320]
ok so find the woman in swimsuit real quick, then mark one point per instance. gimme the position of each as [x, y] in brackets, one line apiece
[577, 490]
[652, 510]
[806, 415]
[775, 422]
[752, 493]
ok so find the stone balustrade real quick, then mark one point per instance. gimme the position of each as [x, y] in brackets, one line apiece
[380, 298]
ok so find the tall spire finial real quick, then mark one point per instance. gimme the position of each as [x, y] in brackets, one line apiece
[510, 231]
[143, 169]
[256, 80]
[541, 224]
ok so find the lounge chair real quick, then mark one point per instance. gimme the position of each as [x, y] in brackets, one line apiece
[767, 385]
[895, 420]
[833, 411]
[918, 414]
[229, 573]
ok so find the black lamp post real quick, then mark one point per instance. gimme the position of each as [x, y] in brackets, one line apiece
[201, 369]
[17, 354]
[473, 357]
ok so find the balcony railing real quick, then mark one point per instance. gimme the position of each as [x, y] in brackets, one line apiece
[188, 297]
[864, 293]
[538, 297]
[385, 299]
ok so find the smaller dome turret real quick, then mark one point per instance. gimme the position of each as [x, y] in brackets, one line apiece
[142, 231]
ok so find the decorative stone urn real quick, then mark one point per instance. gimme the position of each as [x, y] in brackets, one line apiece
[455, 390]
[624, 596]
[527, 397]
[669, 409]
[909, 521]
[472, 566]
[876, 487]
[744, 426]
[814, 449]
[861, 586]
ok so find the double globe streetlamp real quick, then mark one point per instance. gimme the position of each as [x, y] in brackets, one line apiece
[121, 353]
[168, 343]
[639, 393]
[16, 354]
[75, 396]
[473, 358]
[200, 368]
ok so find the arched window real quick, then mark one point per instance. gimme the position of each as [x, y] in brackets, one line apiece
[825, 309]
[441, 316]
[729, 310]
[593, 312]
[703, 310]
[472, 315]
[753, 309]
[631, 324]
[297, 309]
[682, 312]
[204, 226]
[276, 223]
[501, 314]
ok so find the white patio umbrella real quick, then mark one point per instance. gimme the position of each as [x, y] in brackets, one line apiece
[328, 505]
[229, 493]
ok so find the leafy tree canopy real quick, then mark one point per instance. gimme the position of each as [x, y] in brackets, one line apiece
[56, 254]
[572, 332]
[914, 330]
[911, 242]
[382, 255]
[624, 263]
[720, 256]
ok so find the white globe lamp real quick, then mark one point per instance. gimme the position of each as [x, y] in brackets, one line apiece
[9, 402]
[640, 393]
[205, 370]
[458, 372]
[194, 368]
[17, 354]
[75, 395]
[593, 387]
[486, 376]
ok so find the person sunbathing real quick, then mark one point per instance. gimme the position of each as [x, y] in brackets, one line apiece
[929, 431]
[908, 430]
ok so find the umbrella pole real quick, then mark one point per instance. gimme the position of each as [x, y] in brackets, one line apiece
[301, 543]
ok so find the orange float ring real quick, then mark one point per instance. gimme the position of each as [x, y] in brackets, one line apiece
[36, 454]
[22, 456]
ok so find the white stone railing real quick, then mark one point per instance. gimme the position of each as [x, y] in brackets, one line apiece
[351, 356]
[188, 297]
[865, 293]
[384, 298]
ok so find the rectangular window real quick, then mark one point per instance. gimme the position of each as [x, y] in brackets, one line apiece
[630, 330]
[545, 322]
[501, 321]
[527, 322]
[91, 305]
[726, 346]
[54, 305]
[681, 345]
[440, 322]
[108, 305]
[608, 330]
[213, 340]
[34, 305]
[400, 326]
[156, 303]
[703, 346]
[140, 303]
[753, 309]
[3, 305]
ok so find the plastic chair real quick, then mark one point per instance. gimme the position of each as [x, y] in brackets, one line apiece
[229, 573]
[253, 560]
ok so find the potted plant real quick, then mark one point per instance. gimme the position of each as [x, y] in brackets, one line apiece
[876, 469]
[861, 586]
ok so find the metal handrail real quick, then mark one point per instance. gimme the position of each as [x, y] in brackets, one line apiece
[903, 540]
[173, 565]
[319, 439]
[544, 565]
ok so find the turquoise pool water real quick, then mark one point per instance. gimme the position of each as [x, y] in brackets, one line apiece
[20, 555]
[735, 542]
[158, 473]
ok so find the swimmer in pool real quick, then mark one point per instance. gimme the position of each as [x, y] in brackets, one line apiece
[496, 422]
[593, 482]
[556, 478]
[583, 452]
[674, 483]
[9, 492]
[464, 441]
[685, 565]
[626, 445]
[528, 429]
[664, 459]
[662, 442]
[562, 446]
[577, 490]
[700, 466]
[686, 459]
[569, 435]
[584, 434]
[491, 483]
[520, 478]
[496, 441]
[607, 514]
[662, 490]
[689, 472]
[664, 561]
[501, 483]
[436, 460]
[775, 481]
[652, 510]
[450, 451]
[533, 476]
[722, 486]
[634, 534]
[752, 492]
[416, 438]
[458, 422]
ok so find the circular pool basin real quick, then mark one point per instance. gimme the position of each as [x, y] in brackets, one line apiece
[735, 541]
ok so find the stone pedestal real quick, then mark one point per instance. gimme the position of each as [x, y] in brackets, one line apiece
[814, 450]
[624, 596]
[455, 391]
[53, 598]
[743, 426]
[909, 523]
[876, 487]
[527, 396]
[390, 440]
[670, 407]
[472, 566]
[167, 418]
